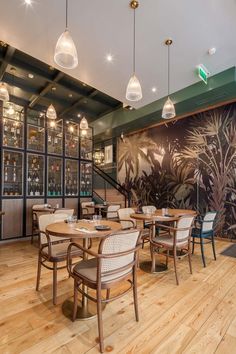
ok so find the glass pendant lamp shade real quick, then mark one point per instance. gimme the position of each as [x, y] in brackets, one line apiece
[83, 124]
[134, 90]
[65, 54]
[4, 94]
[11, 109]
[51, 112]
[168, 109]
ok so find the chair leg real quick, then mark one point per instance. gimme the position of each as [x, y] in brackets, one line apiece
[189, 259]
[75, 301]
[202, 252]
[38, 272]
[175, 266]
[100, 324]
[108, 294]
[213, 246]
[167, 257]
[54, 283]
[193, 245]
[135, 294]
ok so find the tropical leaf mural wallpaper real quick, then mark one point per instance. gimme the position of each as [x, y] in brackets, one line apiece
[187, 164]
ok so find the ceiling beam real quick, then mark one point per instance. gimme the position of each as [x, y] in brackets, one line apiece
[8, 56]
[18, 63]
[77, 103]
[34, 100]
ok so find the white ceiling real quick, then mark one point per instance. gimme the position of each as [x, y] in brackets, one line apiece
[100, 27]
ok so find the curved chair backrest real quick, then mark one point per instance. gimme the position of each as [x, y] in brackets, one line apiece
[208, 221]
[47, 219]
[112, 211]
[185, 222]
[124, 214]
[68, 212]
[117, 243]
[150, 208]
[38, 206]
[87, 207]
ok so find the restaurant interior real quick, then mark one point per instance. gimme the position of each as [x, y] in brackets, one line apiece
[117, 181]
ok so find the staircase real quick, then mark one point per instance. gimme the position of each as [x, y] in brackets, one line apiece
[108, 189]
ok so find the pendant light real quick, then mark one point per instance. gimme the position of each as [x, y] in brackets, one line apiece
[134, 90]
[65, 54]
[51, 112]
[83, 124]
[169, 108]
[4, 94]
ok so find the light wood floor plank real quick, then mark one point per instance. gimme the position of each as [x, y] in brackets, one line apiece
[198, 316]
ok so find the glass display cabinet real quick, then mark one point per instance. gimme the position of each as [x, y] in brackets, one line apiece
[12, 173]
[72, 140]
[35, 130]
[71, 178]
[86, 144]
[54, 180]
[35, 175]
[55, 137]
[85, 179]
[13, 125]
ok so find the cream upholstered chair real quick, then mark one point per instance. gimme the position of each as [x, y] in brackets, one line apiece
[178, 238]
[150, 208]
[115, 262]
[127, 222]
[112, 211]
[38, 209]
[68, 212]
[87, 209]
[145, 210]
[52, 249]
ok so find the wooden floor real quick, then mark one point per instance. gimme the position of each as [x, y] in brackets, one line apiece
[198, 316]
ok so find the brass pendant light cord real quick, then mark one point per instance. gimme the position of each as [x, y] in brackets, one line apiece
[66, 14]
[134, 48]
[168, 80]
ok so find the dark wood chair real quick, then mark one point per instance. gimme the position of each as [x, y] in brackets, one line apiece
[112, 212]
[87, 210]
[204, 233]
[178, 239]
[52, 250]
[115, 262]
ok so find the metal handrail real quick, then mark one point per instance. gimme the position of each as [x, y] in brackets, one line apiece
[113, 183]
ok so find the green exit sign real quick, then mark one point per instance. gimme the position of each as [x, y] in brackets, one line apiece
[203, 73]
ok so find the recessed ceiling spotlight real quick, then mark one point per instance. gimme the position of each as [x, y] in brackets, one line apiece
[70, 95]
[154, 89]
[28, 2]
[54, 88]
[84, 84]
[212, 51]
[109, 57]
[30, 76]
[78, 115]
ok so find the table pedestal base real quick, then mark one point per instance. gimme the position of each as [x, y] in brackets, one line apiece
[147, 266]
[83, 312]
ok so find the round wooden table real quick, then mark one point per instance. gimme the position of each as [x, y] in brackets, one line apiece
[81, 230]
[172, 216]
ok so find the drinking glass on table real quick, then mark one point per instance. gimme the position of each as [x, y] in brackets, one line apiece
[97, 219]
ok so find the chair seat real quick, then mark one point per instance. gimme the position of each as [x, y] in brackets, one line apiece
[197, 233]
[59, 251]
[168, 241]
[88, 269]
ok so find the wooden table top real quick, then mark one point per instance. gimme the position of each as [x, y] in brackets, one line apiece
[62, 229]
[175, 214]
